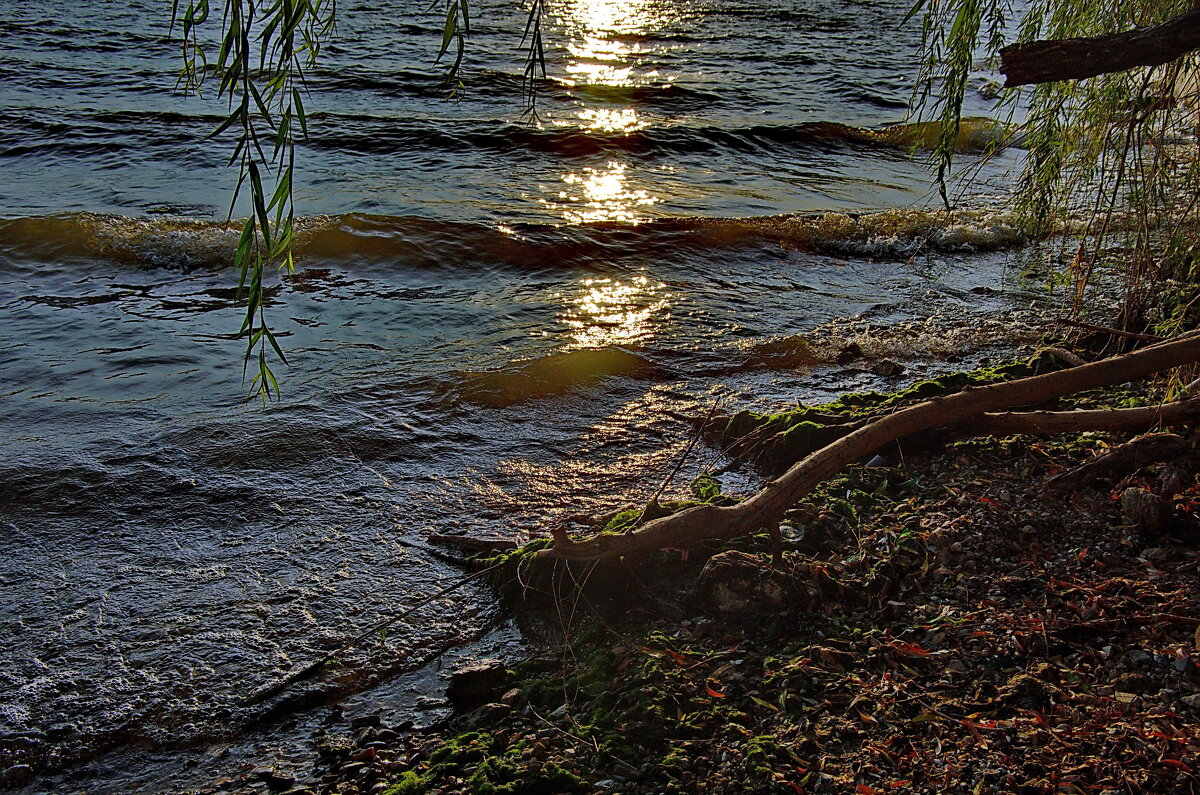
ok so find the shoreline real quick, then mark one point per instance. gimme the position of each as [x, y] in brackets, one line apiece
[959, 627]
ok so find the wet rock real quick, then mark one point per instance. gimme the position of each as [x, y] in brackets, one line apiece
[477, 683]
[737, 582]
[512, 697]
[278, 780]
[849, 353]
[887, 368]
[363, 721]
[351, 769]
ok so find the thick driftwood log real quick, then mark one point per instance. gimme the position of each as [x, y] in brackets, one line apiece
[1076, 59]
[768, 506]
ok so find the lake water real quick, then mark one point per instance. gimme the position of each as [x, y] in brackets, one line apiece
[493, 323]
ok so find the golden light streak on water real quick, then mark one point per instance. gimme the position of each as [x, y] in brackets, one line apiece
[612, 119]
[602, 52]
[610, 311]
[602, 194]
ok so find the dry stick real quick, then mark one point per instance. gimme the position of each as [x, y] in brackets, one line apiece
[1062, 321]
[679, 461]
[309, 670]
[776, 497]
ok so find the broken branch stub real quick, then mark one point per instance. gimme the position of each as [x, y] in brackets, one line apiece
[768, 506]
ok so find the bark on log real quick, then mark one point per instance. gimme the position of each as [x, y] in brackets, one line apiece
[1093, 420]
[1075, 59]
[768, 506]
[1129, 457]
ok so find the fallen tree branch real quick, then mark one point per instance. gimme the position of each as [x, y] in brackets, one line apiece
[1129, 457]
[1075, 59]
[1092, 420]
[1115, 332]
[767, 507]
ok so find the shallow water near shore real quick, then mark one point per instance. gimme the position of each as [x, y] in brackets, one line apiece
[492, 324]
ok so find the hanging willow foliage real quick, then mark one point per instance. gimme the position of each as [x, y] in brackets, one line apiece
[262, 49]
[1114, 157]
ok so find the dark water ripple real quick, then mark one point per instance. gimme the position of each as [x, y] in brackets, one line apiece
[492, 322]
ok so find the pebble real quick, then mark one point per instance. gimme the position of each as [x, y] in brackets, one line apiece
[16, 774]
[887, 368]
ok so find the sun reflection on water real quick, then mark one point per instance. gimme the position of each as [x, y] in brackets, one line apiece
[612, 119]
[603, 59]
[601, 194]
[614, 312]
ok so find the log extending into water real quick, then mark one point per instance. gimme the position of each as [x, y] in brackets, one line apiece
[1075, 59]
[767, 507]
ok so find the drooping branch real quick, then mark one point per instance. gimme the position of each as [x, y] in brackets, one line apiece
[768, 506]
[1075, 59]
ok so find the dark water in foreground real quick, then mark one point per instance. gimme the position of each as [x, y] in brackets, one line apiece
[491, 324]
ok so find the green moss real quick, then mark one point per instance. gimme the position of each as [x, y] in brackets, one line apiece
[761, 756]
[490, 767]
[408, 784]
[774, 442]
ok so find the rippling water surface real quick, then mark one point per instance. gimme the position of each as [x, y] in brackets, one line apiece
[492, 321]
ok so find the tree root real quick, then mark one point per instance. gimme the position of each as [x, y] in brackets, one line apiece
[964, 411]
[1152, 448]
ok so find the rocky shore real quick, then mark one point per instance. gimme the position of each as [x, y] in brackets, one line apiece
[949, 622]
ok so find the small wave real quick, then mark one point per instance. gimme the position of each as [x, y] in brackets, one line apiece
[503, 86]
[409, 241]
[372, 135]
[176, 243]
[894, 234]
[549, 375]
